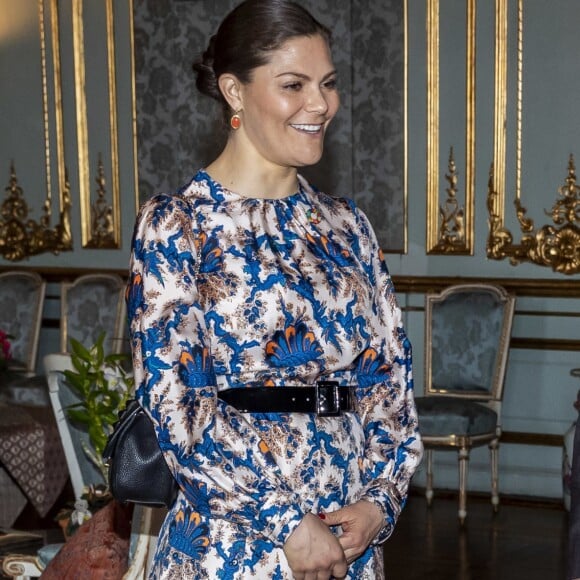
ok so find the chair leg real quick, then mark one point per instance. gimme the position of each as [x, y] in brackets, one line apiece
[463, 459]
[429, 490]
[494, 454]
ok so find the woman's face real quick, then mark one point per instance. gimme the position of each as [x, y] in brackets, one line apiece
[290, 102]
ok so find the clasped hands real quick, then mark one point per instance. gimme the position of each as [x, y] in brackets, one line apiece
[315, 553]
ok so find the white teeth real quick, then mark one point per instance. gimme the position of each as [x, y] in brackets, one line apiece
[308, 128]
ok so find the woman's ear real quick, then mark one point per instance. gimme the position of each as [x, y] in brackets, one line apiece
[230, 87]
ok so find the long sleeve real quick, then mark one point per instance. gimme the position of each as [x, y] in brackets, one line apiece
[172, 356]
[393, 445]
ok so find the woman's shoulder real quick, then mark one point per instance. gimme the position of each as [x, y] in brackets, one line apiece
[194, 189]
[341, 205]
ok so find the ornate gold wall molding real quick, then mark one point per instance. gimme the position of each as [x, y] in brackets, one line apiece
[92, 238]
[21, 236]
[450, 227]
[556, 246]
[102, 229]
[134, 107]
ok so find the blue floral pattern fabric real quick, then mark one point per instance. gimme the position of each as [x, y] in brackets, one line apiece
[232, 292]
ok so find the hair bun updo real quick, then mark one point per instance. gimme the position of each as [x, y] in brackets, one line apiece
[206, 79]
[246, 38]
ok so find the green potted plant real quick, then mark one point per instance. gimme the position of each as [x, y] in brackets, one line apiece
[103, 387]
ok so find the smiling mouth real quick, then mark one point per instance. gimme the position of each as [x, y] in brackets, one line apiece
[310, 129]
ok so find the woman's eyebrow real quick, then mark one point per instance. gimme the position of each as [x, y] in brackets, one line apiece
[305, 76]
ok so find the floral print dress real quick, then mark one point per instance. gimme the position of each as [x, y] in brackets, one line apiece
[232, 292]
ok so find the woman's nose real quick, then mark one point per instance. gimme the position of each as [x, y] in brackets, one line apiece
[317, 101]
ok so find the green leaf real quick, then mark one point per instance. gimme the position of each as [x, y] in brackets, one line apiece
[98, 438]
[99, 405]
[79, 350]
[80, 416]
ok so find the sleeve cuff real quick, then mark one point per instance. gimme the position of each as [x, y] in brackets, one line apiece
[277, 522]
[390, 507]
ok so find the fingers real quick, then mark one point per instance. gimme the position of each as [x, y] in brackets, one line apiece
[332, 518]
[352, 546]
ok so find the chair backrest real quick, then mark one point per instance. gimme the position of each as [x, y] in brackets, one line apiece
[81, 469]
[21, 303]
[93, 303]
[467, 335]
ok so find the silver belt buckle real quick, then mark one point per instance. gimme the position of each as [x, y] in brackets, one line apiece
[327, 399]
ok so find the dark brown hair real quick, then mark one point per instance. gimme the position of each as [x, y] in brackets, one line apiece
[246, 37]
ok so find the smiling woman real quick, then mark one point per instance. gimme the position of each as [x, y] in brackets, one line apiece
[284, 112]
[266, 335]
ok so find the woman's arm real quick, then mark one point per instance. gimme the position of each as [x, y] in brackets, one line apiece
[393, 448]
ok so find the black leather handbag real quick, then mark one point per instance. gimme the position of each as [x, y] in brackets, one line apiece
[138, 472]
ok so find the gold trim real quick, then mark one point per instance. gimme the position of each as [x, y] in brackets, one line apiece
[45, 106]
[58, 109]
[524, 438]
[134, 110]
[559, 344]
[22, 565]
[439, 241]
[93, 238]
[500, 106]
[20, 236]
[558, 313]
[102, 215]
[548, 288]
[81, 118]
[451, 224]
[58, 113]
[114, 228]
[432, 120]
[556, 246]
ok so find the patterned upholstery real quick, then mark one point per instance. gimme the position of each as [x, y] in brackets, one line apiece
[467, 330]
[473, 317]
[21, 303]
[90, 305]
[445, 416]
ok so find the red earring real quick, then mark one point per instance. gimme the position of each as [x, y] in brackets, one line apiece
[235, 122]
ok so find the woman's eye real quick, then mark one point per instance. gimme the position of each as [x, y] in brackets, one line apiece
[330, 84]
[293, 86]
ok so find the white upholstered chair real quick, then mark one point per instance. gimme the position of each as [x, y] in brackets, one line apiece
[21, 303]
[92, 304]
[467, 336]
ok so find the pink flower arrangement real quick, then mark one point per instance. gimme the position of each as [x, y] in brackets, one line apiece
[5, 348]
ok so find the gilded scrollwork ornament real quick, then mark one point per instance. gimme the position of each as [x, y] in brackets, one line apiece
[556, 246]
[451, 214]
[21, 236]
[102, 222]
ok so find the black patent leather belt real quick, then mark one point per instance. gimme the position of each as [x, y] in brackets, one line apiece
[326, 399]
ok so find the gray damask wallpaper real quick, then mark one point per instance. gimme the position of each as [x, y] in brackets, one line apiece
[180, 130]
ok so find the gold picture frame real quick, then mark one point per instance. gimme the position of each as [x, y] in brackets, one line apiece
[450, 226]
[100, 220]
[555, 245]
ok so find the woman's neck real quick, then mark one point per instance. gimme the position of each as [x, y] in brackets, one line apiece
[252, 177]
